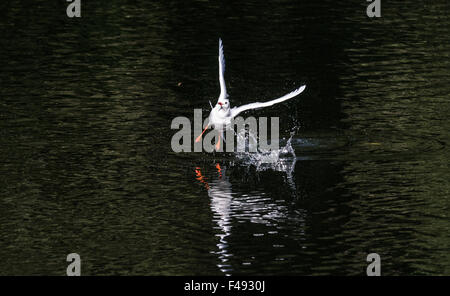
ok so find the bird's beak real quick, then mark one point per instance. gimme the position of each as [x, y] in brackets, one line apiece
[220, 104]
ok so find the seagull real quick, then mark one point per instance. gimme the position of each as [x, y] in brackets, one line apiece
[222, 113]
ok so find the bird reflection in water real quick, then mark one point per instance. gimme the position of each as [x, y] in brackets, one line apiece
[219, 191]
[255, 208]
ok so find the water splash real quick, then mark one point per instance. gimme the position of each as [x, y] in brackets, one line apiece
[280, 160]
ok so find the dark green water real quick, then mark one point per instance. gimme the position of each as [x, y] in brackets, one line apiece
[87, 167]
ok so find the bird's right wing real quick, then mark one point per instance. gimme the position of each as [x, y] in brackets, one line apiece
[236, 110]
[223, 88]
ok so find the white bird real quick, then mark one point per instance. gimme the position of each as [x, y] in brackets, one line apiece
[221, 114]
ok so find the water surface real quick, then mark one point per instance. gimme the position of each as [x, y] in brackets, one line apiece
[87, 167]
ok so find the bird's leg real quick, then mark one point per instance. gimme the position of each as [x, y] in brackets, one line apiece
[199, 137]
[218, 144]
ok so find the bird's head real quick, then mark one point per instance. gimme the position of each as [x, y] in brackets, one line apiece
[223, 104]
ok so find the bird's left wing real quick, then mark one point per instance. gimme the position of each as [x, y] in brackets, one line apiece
[223, 88]
[236, 110]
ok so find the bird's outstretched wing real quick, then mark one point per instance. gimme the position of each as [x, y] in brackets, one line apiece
[223, 88]
[236, 110]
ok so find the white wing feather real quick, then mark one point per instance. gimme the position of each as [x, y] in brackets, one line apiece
[223, 88]
[236, 110]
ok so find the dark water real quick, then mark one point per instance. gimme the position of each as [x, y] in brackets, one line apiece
[87, 167]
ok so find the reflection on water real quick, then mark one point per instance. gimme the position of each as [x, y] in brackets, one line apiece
[254, 208]
[221, 199]
[86, 164]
